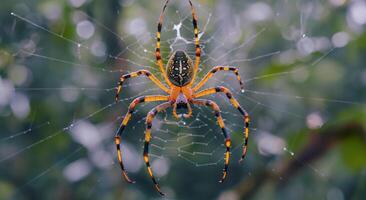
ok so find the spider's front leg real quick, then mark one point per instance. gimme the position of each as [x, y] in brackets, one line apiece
[216, 108]
[149, 120]
[236, 104]
[139, 73]
[217, 69]
[126, 119]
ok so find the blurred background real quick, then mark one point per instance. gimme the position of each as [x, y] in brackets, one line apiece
[302, 63]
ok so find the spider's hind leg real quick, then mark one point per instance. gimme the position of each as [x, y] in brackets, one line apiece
[216, 108]
[196, 40]
[158, 56]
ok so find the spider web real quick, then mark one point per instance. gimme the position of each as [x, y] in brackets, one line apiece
[195, 142]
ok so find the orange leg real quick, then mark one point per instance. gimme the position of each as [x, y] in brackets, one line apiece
[196, 41]
[149, 119]
[235, 103]
[216, 69]
[216, 108]
[136, 74]
[126, 119]
[157, 50]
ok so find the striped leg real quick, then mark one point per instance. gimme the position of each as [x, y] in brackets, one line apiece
[196, 41]
[117, 138]
[235, 103]
[136, 74]
[157, 50]
[216, 69]
[216, 108]
[149, 120]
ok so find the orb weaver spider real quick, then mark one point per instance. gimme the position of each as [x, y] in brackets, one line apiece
[180, 74]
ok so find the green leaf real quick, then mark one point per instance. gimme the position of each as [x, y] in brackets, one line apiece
[353, 153]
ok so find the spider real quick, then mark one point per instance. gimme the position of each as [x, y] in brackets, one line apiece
[180, 74]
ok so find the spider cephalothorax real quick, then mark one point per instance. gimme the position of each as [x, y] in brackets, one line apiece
[179, 75]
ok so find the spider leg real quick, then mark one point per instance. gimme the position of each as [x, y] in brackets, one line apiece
[157, 50]
[136, 74]
[216, 108]
[196, 41]
[216, 69]
[149, 119]
[236, 104]
[117, 138]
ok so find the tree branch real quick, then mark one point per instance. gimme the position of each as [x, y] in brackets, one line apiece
[321, 141]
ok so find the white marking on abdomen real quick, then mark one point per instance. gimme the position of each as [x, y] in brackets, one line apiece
[180, 67]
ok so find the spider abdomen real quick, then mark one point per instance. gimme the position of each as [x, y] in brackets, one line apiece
[180, 69]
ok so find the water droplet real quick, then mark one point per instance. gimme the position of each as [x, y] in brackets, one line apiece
[242, 90]
[79, 45]
[303, 35]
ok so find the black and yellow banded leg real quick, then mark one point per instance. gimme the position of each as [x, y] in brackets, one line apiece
[149, 119]
[117, 138]
[136, 74]
[196, 41]
[236, 104]
[217, 69]
[159, 60]
[217, 111]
